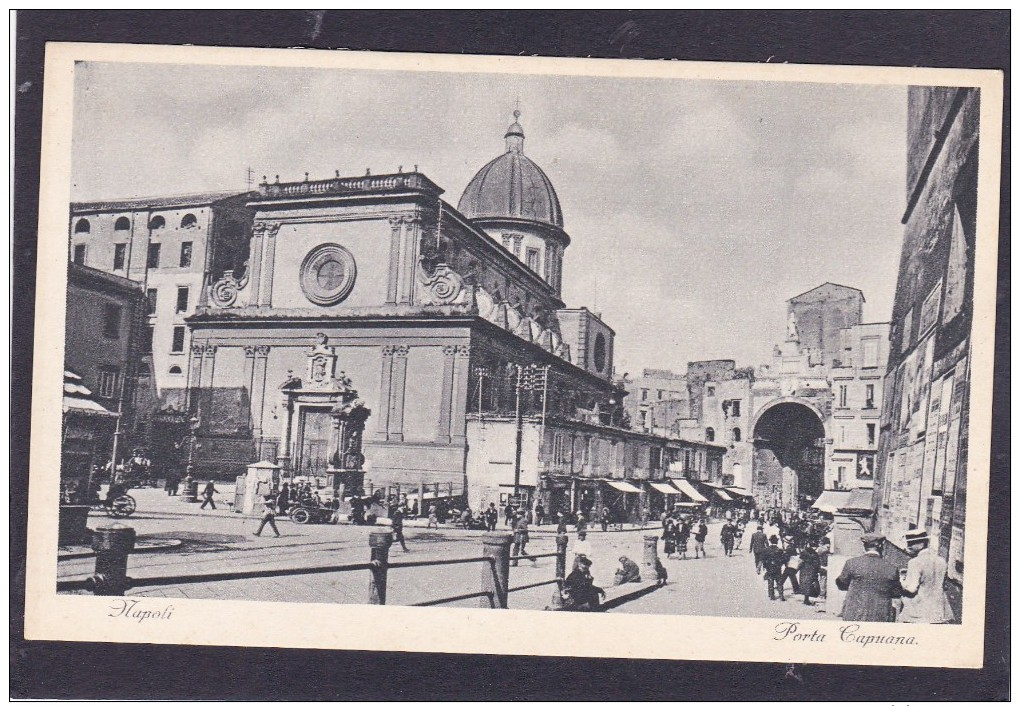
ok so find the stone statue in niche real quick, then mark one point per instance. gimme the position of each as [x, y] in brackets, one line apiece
[321, 363]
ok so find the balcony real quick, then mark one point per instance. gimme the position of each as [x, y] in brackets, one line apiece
[343, 186]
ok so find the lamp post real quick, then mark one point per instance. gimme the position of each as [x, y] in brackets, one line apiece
[193, 425]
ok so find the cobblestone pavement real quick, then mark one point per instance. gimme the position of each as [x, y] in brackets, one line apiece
[221, 540]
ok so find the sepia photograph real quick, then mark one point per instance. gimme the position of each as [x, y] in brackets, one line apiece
[439, 337]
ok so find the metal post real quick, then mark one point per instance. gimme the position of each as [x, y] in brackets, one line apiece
[496, 573]
[561, 569]
[650, 557]
[379, 543]
[519, 436]
[421, 499]
[112, 545]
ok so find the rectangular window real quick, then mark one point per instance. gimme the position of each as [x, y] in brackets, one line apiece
[869, 396]
[871, 435]
[710, 391]
[870, 353]
[842, 433]
[660, 393]
[655, 462]
[532, 259]
[644, 395]
[111, 321]
[840, 476]
[79, 254]
[150, 301]
[108, 383]
[178, 344]
[907, 337]
[735, 408]
[119, 256]
[152, 261]
[146, 342]
[842, 395]
[644, 418]
[186, 254]
[182, 299]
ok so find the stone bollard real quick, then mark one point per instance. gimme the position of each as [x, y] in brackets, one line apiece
[112, 545]
[650, 556]
[496, 573]
[561, 570]
[379, 542]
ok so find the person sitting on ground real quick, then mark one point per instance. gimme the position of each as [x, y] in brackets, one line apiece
[629, 572]
[580, 594]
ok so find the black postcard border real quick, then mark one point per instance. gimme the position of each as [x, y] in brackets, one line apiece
[971, 39]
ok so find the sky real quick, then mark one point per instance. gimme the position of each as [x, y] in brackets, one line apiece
[695, 208]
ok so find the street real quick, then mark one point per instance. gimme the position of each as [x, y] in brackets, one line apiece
[221, 540]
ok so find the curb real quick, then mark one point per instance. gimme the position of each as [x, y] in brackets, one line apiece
[141, 547]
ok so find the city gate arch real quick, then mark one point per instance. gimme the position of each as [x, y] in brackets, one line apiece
[789, 454]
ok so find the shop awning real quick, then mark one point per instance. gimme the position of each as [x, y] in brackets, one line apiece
[623, 487]
[665, 489]
[687, 489]
[831, 501]
[83, 406]
[723, 494]
[735, 490]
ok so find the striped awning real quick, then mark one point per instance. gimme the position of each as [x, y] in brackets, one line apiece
[665, 488]
[623, 487]
[735, 490]
[689, 490]
[723, 494]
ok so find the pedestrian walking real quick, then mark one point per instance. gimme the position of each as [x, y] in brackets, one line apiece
[397, 523]
[774, 563]
[669, 536]
[520, 538]
[824, 550]
[870, 582]
[268, 516]
[207, 494]
[726, 536]
[539, 514]
[508, 514]
[683, 537]
[433, 518]
[491, 517]
[582, 527]
[561, 523]
[810, 569]
[792, 565]
[738, 533]
[604, 519]
[699, 539]
[759, 543]
[924, 600]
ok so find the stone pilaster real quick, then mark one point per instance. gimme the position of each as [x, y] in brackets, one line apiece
[255, 273]
[385, 383]
[258, 389]
[195, 375]
[446, 399]
[461, 371]
[392, 283]
[408, 251]
[247, 377]
[398, 389]
[266, 288]
[208, 366]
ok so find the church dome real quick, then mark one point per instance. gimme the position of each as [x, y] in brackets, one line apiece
[512, 186]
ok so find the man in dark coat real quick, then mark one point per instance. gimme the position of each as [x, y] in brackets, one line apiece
[579, 590]
[629, 572]
[759, 543]
[491, 517]
[398, 527]
[727, 535]
[521, 537]
[773, 559]
[871, 583]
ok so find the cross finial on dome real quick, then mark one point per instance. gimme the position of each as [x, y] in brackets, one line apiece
[515, 133]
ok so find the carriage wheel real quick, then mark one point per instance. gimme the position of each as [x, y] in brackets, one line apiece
[122, 506]
[301, 516]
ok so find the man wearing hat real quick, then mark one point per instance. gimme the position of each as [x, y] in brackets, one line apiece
[924, 600]
[871, 583]
[521, 537]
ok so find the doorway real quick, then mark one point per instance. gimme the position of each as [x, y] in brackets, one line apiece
[315, 432]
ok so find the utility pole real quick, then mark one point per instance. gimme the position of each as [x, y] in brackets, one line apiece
[519, 437]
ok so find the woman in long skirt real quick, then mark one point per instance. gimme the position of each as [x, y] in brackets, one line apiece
[669, 538]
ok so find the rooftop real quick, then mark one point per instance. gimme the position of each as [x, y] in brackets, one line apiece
[203, 198]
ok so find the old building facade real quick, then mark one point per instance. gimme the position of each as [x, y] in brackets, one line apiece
[105, 318]
[921, 470]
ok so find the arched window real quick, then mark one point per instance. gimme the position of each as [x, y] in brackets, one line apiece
[709, 434]
[175, 370]
[122, 223]
[83, 226]
[189, 221]
[157, 222]
[736, 434]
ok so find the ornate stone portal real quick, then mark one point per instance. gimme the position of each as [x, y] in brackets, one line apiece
[311, 444]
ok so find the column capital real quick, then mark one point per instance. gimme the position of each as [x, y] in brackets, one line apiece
[262, 351]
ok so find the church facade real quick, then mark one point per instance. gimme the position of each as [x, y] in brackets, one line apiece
[434, 314]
